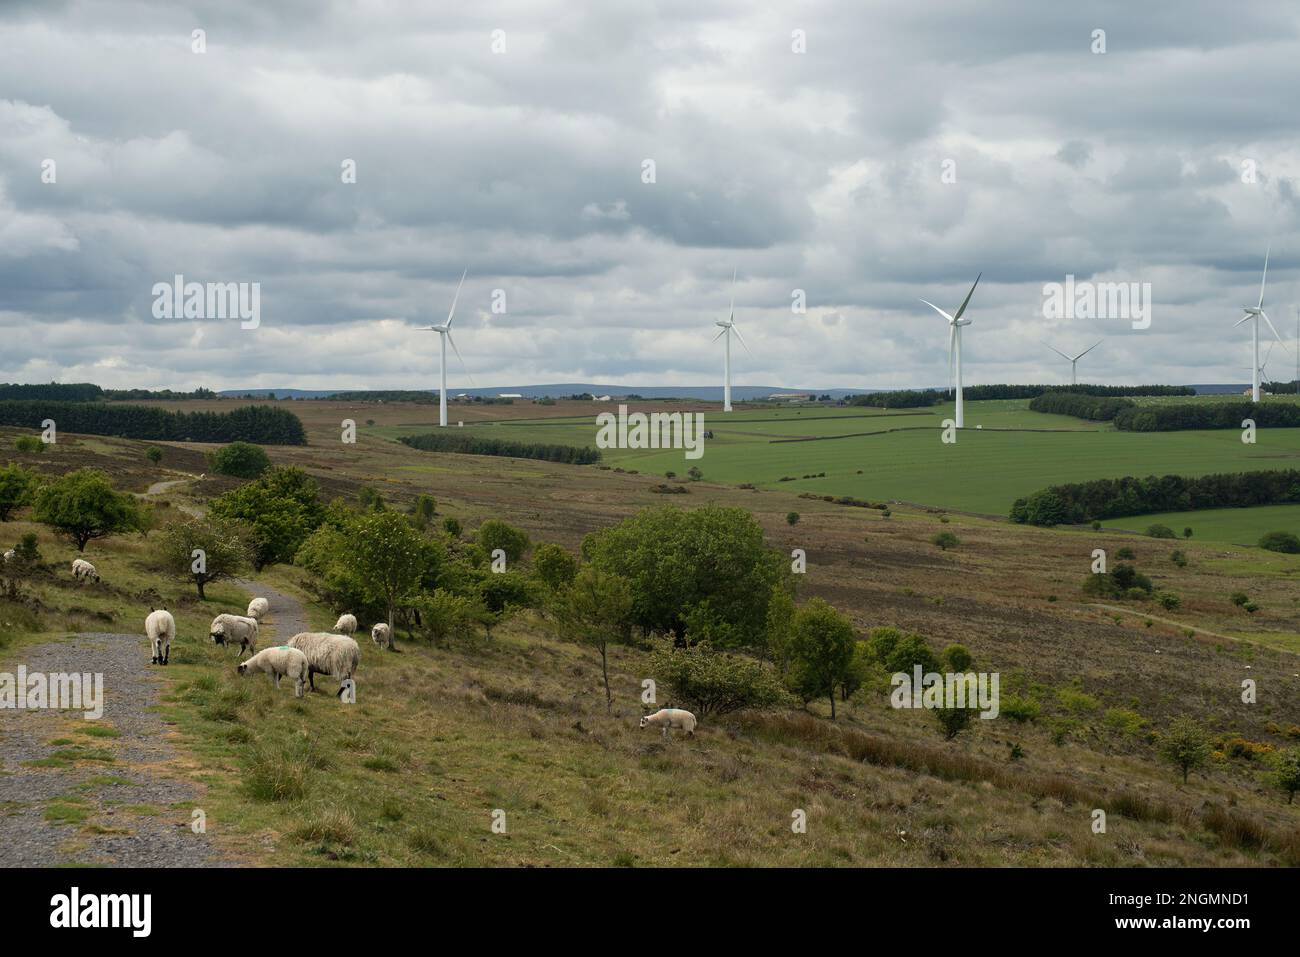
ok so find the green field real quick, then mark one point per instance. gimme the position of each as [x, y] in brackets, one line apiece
[1239, 526]
[898, 455]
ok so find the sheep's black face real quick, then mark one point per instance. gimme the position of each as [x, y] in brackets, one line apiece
[243, 669]
[219, 639]
[644, 721]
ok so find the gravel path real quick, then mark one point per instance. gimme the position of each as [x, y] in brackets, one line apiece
[285, 615]
[114, 801]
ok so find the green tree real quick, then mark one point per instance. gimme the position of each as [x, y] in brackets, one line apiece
[553, 566]
[443, 615]
[792, 518]
[779, 626]
[1185, 744]
[822, 643]
[953, 721]
[388, 556]
[153, 454]
[282, 509]
[595, 609]
[423, 510]
[494, 534]
[676, 559]
[224, 546]
[83, 505]
[239, 459]
[17, 486]
[957, 658]
[1286, 771]
[945, 540]
[1280, 542]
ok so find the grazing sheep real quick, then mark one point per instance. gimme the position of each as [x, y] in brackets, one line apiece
[327, 654]
[382, 635]
[10, 555]
[670, 718]
[280, 662]
[82, 570]
[160, 627]
[235, 628]
[346, 625]
[258, 607]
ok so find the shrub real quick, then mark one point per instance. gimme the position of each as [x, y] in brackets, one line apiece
[17, 486]
[1160, 531]
[1186, 745]
[792, 518]
[1187, 532]
[239, 459]
[281, 507]
[494, 534]
[1280, 542]
[83, 505]
[1285, 773]
[451, 526]
[1125, 554]
[821, 651]
[945, 540]
[1178, 557]
[333, 825]
[712, 682]
[1168, 600]
[953, 721]
[1019, 709]
[957, 658]
[1240, 598]
[29, 443]
[444, 615]
[553, 566]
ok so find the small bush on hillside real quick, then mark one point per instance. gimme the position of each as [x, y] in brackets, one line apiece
[953, 721]
[945, 540]
[1186, 745]
[1280, 542]
[1240, 598]
[1125, 554]
[153, 454]
[711, 682]
[1122, 581]
[1019, 709]
[957, 658]
[1160, 531]
[1168, 600]
[1178, 557]
[451, 526]
[792, 518]
[29, 443]
[17, 485]
[239, 459]
[494, 534]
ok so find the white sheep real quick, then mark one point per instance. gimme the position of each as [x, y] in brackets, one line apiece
[670, 718]
[160, 627]
[328, 654]
[280, 662]
[10, 555]
[235, 628]
[346, 625]
[82, 570]
[258, 607]
[382, 635]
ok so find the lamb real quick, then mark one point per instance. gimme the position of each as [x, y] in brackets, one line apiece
[235, 628]
[10, 555]
[279, 662]
[670, 718]
[258, 607]
[82, 570]
[382, 635]
[346, 625]
[160, 627]
[328, 654]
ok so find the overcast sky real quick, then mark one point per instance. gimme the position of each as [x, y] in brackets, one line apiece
[1170, 159]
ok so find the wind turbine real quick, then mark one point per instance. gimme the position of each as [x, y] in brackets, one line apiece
[1074, 360]
[954, 345]
[1253, 315]
[728, 327]
[444, 337]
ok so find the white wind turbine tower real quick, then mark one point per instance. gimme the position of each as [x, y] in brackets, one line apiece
[728, 327]
[444, 337]
[1255, 313]
[1074, 360]
[954, 345]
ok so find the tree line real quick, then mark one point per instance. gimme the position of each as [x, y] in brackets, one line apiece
[257, 423]
[1208, 415]
[482, 445]
[916, 398]
[1081, 405]
[1075, 503]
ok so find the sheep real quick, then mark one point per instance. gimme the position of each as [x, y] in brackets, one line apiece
[382, 635]
[346, 625]
[280, 662]
[670, 718]
[235, 628]
[82, 570]
[258, 607]
[160, 627]
[10, 555]
[328, 654]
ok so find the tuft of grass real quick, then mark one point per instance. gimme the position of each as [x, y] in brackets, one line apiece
[327, 825]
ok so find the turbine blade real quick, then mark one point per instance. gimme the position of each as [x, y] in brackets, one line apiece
[937, 309]
[1264, 277]
[966, 301]
[736, 329]
[720, 334]
[1270, 324]
[452, 313]
[1090, 348]
[1245, 318]
[1059, 352]
[461, 358]
[731, 310]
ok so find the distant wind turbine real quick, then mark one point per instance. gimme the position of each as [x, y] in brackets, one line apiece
[444, 337]
[1074, 360]
[954, 345]
[1253, 315]
[728, 327]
